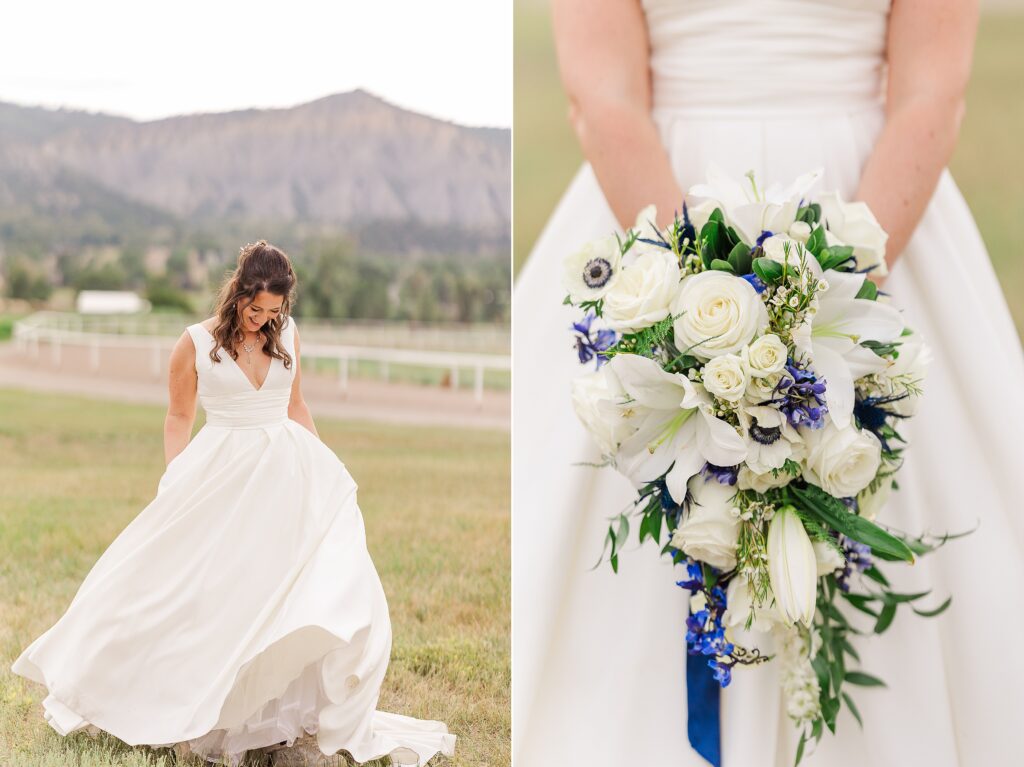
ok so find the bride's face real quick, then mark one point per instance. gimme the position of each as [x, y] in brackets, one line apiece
[254, 314]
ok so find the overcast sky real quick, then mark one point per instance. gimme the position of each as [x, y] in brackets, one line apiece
[447, 58]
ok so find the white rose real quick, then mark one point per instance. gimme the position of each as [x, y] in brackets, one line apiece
[643, 292]
[725, 377]
[766, 356]
[761, 483]
[595, 399]
[869, 504]
[711, 528]
[591, 271]
[828, 559]
[856, 225]
[720, 314]
[841, 461]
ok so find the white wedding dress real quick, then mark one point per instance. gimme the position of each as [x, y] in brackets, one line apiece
[240, 607]
[778, 87]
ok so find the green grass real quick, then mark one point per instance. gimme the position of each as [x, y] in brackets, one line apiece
[988, 163]
[74, 472]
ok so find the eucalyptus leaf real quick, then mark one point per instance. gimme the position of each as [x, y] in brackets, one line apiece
[722, 266]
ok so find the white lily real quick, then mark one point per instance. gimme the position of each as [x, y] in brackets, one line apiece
[676, 427]
[831, 338]
[747, 208]
[792, 567]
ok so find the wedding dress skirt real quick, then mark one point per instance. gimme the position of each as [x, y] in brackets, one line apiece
[778, 87]
[240, 607]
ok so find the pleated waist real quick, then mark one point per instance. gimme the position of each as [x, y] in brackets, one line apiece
[765, 57]
[247, 410]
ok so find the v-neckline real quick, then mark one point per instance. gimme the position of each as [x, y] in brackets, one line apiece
[238, 367]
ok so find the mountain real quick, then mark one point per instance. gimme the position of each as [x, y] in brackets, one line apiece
[349, 163]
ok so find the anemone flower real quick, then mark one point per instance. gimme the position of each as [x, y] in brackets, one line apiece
[676, 430]
[831, 339]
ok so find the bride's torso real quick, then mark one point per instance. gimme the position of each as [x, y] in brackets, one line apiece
[227, 394]
[765, 56]
[777, 87]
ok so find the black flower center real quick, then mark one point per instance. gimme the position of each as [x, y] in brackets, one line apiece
[765, 436]
[597, 272]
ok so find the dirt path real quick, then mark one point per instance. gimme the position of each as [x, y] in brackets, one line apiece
[127, 376]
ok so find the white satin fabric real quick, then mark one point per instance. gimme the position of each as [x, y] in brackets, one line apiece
[241, 606]
[778, 87]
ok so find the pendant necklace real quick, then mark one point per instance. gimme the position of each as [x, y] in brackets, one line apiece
[250, 348]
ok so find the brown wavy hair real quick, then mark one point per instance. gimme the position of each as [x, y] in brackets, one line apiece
[261, 267]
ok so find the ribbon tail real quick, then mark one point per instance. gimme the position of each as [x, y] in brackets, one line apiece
[703, 718]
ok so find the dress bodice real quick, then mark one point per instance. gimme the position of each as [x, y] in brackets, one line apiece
[767, 55]
[229, 397]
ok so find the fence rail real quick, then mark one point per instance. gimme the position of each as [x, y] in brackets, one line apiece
[58, 333]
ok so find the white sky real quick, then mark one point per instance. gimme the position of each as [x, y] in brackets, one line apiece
[447, 58]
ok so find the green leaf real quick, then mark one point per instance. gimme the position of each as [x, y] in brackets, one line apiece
[864, 680]
[892, 596]
[853, 709]
[835, 256]
[721, 266]
[833, 512]
[885, 617]
[740, 258]
[868, 290]
[816, 242]
[800, 748]
[829, 711]
[767, 270]
[876, 575]
[848, 649]
[936, 611]
[614, 559]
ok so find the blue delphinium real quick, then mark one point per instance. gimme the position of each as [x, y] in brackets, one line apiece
[591, 346]
[705, 633]
[800, 396]
[858, 559]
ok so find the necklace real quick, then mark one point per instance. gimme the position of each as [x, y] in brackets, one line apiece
[250, 348]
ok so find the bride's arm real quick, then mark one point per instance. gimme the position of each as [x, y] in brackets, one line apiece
[298, 410]
[603, 58]
[930, 46]
[182, 382]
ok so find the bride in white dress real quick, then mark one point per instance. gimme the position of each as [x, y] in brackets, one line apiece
[240, 609]
[873, 94]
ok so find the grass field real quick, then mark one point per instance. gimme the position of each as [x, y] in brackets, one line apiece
[988, 163]
[74, 472]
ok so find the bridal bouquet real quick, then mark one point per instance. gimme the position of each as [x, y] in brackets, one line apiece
[751, 382]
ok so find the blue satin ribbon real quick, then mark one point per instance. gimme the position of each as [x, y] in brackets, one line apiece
[703, 718]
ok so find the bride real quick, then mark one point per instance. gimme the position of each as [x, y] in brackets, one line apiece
[873, 93]
[240, 609]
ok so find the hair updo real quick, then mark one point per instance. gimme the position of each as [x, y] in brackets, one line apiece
[261, 267]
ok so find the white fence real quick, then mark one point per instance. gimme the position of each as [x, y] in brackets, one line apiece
[59, 332]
